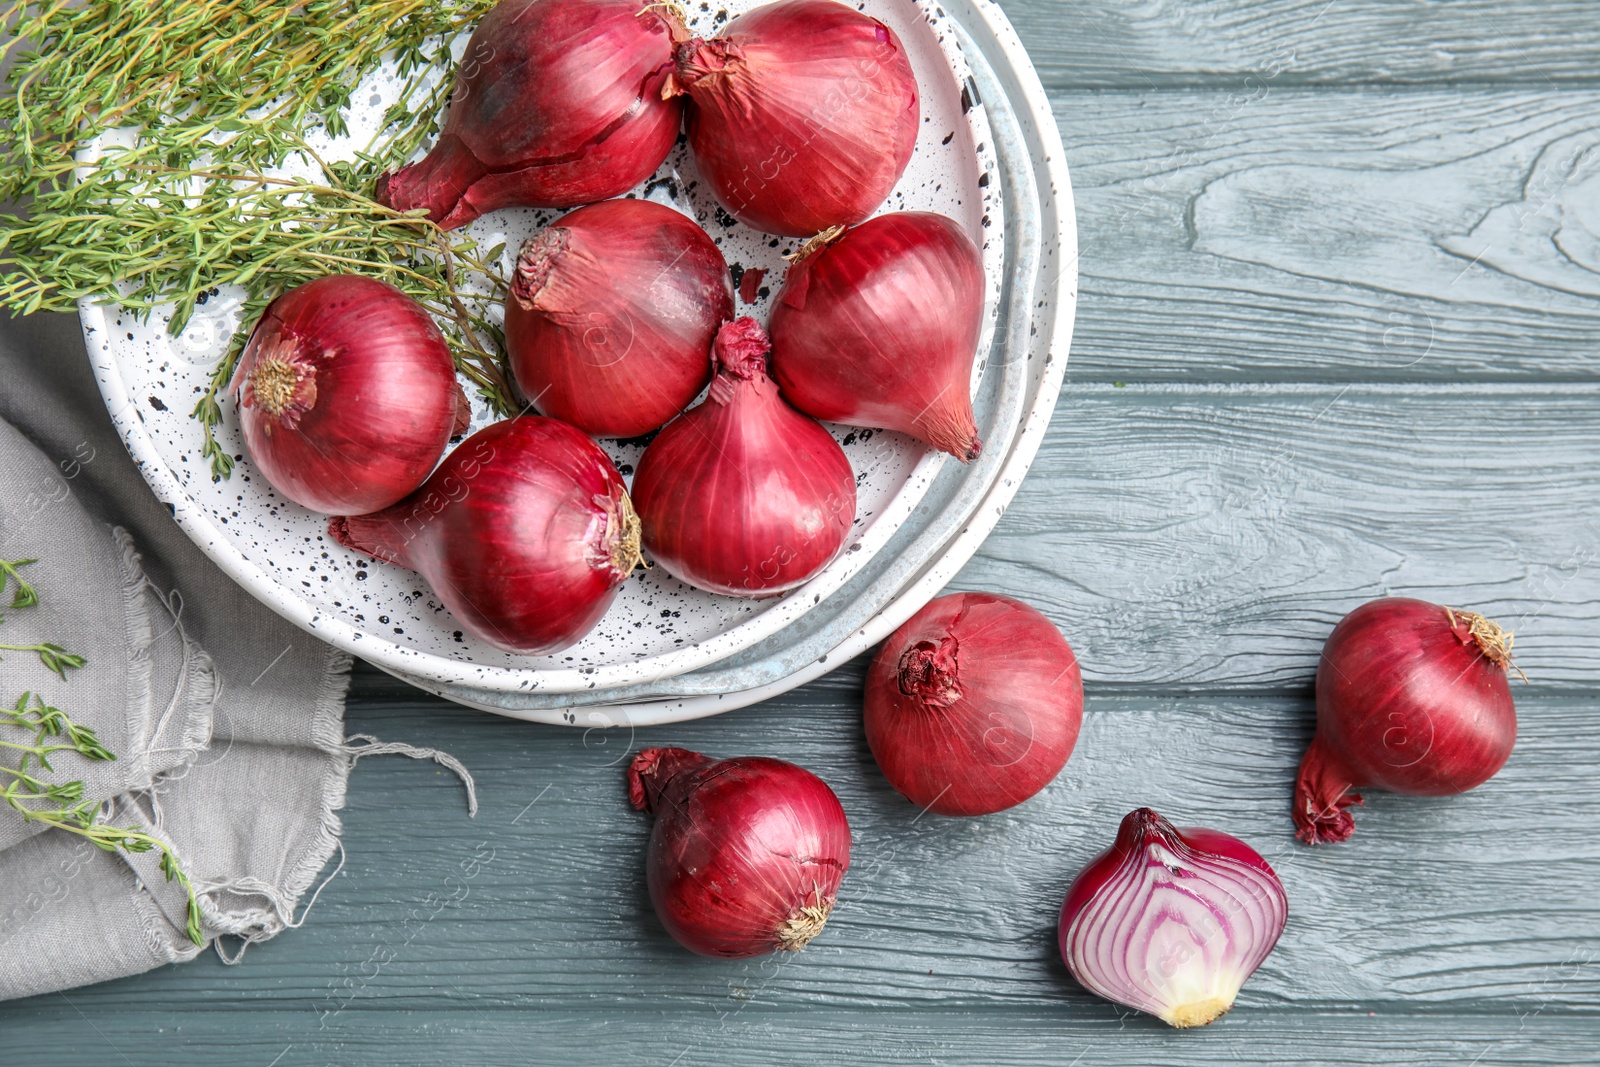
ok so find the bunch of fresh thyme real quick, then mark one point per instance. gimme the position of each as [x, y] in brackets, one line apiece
[217, 102]
[62, 805]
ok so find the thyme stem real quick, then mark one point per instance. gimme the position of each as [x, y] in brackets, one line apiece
[225, 96]
[61, 805]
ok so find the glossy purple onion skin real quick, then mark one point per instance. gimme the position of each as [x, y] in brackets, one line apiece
[880, 328]
[612, 315]
[802, 115]
[974, 705]
[376, 401]
[556, 103]
[746, 854]
[742, 494]
[1252, 911]
[523, 533]
[1407, 701]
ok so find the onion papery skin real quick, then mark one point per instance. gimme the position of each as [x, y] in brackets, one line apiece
[802, 115]
[611, 316]
[742, 494]
[556, 103]
[746, 854]
[1412, 697]
[974, 705]
[347, 394]
[880, 327]
[524, 532]
[1171, 922]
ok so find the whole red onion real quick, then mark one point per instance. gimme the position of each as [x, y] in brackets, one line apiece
[612, 312]
[347, 394]
[746, 854]
[880, 326]
[556, 103]
[1171, 921]
[973, 705]
[742, 494]
[802, 115]
[1412, 697]
[524, 532]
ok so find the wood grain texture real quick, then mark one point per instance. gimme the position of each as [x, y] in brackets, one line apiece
[1345, 258]
[538, 904]
[1273, 234]
[1221, 43]
[1208, 538]
[723, 1035]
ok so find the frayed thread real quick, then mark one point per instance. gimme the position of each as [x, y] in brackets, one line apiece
[359, 746]
[282, 904]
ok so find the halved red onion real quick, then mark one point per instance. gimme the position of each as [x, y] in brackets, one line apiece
[1172, 922]
[880, 327]
[556, 103]
[611, 316]
[803, 114]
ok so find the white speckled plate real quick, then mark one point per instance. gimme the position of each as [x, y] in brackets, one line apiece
[1014, 404]
[658, 628]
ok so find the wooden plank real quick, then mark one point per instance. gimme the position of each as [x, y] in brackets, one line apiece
[1160, 43]
[731, 1035]
[1279, 235]
[538, 904]
[1210, 537]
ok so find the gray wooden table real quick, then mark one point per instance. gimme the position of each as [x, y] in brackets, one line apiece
[1337, 338]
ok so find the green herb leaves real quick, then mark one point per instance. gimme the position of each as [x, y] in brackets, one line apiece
[221, 185]
[24, 595]
[46, 730]
[53, 656]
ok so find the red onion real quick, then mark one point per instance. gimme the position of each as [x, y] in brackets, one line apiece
[1171, 922]
[1411, 697]
[556, 103]
[746, 854]
[880, 326]
[347, 394]
[973, 705]
[742, 494]
[612, 313]
[802, 115]
[524, 532]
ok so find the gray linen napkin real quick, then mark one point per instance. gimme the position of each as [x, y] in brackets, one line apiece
[149, 690]
[177, 654]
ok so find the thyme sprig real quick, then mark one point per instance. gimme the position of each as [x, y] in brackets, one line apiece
[205, 114]
[53, 656]
[62, 805]
[23, 595]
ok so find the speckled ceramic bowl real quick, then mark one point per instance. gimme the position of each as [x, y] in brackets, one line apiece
[1014, 403]
[659, 629]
